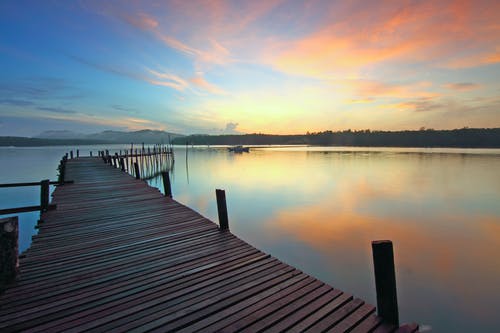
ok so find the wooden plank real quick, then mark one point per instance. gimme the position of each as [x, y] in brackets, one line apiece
[367, 325]
[353, 319]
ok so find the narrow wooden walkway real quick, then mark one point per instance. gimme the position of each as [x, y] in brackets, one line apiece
[118, 256]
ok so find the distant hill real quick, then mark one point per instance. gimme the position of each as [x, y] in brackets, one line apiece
[17, 141]
[146, 136]
[64, 134]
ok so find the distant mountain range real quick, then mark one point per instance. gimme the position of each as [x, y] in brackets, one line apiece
[146, 136]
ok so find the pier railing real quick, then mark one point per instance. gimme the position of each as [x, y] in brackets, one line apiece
[44, 192]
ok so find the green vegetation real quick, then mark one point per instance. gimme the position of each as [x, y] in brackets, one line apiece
[465, 137]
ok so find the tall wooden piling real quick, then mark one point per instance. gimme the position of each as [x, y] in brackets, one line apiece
[71, 154]
[9, 259]
[385, 281]
[137, 172]
[62, 170]
[222, 209]
[44, 195]
[166, 184]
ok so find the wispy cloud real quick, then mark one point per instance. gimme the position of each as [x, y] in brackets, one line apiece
[142, 21]
[462, 86]
[56, 110]
[422, 105]
[16, 102]
[124, 108]
[212, 52]
[200, 82]
[167, 80]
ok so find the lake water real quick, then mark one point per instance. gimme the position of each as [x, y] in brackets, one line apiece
[319, 208]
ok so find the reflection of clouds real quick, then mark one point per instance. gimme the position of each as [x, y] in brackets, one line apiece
[446, 253]
[320, 211]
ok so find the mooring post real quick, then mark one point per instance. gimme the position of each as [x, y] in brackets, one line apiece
[91, 153]
[62, 170]
[137, 173]
[122, 163]
[78, 153]
[9, 259]
[222, 209]
[44, 195]
[71, 154]
[166, 184]
[385, 281]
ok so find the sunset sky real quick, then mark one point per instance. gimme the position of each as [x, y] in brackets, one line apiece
[248, 66]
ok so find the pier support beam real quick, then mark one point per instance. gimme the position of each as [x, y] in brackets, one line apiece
[222, 209]
[9, 260]
[385, 281]
[137, 172]
[44, 195]
[166, 184]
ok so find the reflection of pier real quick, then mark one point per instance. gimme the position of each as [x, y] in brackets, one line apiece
[116, 255]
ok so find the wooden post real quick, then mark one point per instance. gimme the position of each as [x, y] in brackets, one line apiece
[71, 154]
[91, 153]
[44, 195]
[222, 209]
[137, 173]
[78, 153]
[166, 184]
[122, 163]
[62, 170]
[9, 259]
[385, 281]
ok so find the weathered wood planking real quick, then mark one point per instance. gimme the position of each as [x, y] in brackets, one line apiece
[118, 256]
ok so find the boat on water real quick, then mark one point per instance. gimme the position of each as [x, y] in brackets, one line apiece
[239, 149]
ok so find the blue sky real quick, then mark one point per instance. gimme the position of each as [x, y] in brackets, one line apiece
[239, 66]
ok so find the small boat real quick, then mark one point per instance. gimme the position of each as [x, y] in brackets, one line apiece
[239, 149]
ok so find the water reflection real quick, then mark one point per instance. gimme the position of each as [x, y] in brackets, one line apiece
[319, 210]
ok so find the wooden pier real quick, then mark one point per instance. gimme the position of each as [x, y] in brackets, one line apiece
[116, 255]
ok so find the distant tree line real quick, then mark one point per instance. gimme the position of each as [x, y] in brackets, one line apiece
[464, 137]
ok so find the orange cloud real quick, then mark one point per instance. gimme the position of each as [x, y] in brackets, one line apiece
[425, 31]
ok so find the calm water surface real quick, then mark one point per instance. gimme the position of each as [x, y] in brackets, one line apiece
[319, 209]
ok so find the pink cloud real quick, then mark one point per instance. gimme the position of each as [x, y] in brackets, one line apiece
[424, 31]
[142, 21]
[200, 82]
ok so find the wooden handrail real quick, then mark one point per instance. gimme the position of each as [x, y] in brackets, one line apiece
[35, 184]
[25, 209]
